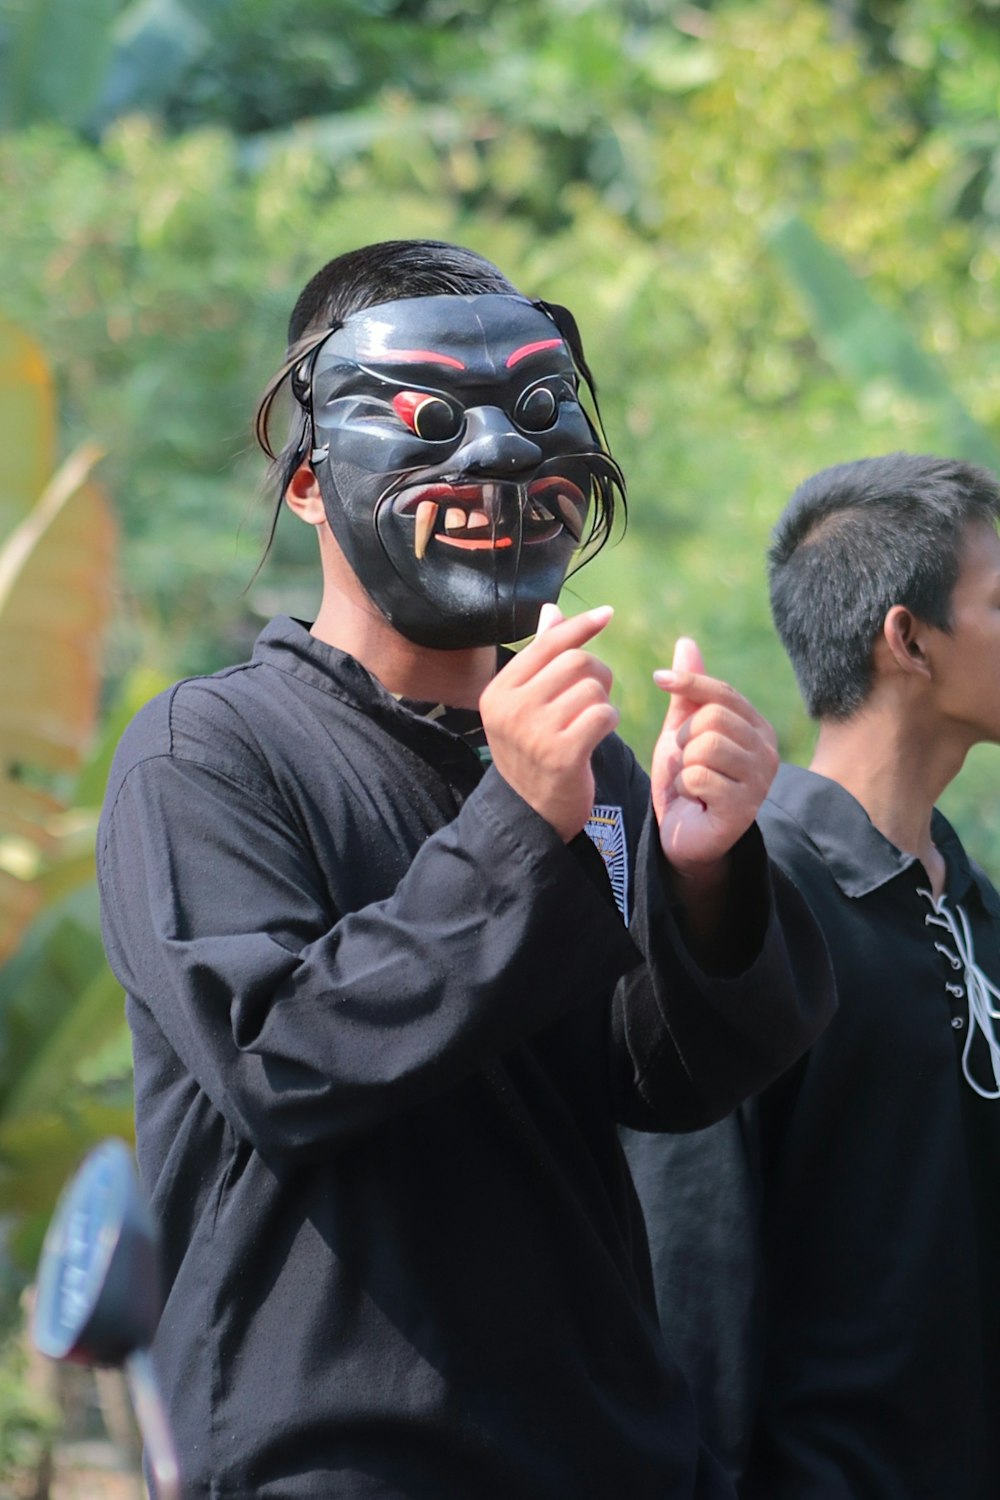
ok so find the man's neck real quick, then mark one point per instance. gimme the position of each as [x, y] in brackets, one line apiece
[455, 678]
[897, 768]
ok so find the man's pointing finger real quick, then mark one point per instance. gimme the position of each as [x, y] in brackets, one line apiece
[687, 660]
[552, 640]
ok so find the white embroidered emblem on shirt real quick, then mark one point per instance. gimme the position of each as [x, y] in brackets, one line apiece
[606, 830]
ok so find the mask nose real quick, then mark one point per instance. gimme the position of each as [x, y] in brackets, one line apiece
[493, 448]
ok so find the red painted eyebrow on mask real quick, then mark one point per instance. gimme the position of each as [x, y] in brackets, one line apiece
[526, 349]
[418, 357]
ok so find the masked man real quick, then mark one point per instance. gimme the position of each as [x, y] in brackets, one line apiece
[385, 1007]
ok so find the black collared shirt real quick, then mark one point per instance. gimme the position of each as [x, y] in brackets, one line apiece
[384, 1020]
[847, 1348]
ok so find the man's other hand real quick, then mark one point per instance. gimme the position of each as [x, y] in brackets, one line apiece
[712, 766]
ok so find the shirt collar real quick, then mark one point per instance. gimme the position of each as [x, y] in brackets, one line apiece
[858, 856]
[961, 876]
[287, 645]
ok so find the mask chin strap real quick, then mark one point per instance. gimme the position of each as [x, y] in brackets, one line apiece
[980, 992]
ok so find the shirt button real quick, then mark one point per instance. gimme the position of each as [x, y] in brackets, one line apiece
[957, 1023]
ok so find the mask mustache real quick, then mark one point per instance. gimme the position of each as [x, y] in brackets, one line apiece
[493, 514]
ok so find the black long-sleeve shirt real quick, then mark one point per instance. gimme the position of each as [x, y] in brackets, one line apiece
[383, 1022]
[826, 1259]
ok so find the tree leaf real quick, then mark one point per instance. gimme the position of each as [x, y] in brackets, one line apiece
[155, 42]
[19, 902]
[27, 422]
[55, 576]
[85, 1026]
[38, 1154]
[866, 342]
[55, 59]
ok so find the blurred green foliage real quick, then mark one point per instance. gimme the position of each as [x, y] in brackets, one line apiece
[778, 222]
[29, 1419]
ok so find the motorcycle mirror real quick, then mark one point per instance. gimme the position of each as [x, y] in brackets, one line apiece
[98, 1297]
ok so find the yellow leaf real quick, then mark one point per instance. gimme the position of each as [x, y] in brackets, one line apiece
[27, 423]
[55, 581]
[55, 585]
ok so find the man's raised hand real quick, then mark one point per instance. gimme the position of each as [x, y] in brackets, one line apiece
[712, 766]
[546, 712]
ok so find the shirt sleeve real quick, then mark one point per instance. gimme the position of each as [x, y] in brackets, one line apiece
[303, 1025]
[688, 1043]
[701, 1199]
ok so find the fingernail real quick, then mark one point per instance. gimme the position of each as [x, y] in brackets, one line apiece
[601, 612]
[665, 678]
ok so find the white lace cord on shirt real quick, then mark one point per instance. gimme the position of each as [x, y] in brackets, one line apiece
[978, 988]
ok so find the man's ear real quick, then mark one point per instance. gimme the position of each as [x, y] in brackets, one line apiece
[906, 638]
[304, 496]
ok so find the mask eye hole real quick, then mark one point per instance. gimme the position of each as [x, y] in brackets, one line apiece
[430, 417]
[536, 409]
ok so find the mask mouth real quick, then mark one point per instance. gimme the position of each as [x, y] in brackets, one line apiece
[491, 516]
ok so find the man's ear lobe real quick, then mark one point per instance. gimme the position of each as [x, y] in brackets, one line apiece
[304, 496]
[904, 635]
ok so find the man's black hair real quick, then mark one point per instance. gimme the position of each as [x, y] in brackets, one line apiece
[386, 272]
[853, 541]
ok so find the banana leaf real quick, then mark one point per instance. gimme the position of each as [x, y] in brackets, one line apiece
[55, 587]
[27, 425]
[868, 343]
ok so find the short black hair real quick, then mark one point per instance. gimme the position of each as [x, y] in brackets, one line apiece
[386, 272]
[853, 541]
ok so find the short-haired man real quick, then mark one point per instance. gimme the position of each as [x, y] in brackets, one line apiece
[828, 1267]
[385, 1007]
